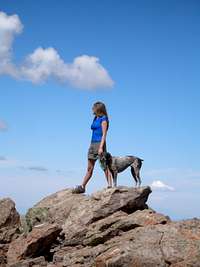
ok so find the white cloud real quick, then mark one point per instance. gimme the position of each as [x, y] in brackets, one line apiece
[45, 63]
[9, 27]
[159, 185]
[3, 126]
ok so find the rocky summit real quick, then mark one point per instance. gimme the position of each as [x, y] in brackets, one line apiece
[111, 228]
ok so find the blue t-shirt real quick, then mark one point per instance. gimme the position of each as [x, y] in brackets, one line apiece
[97, 129]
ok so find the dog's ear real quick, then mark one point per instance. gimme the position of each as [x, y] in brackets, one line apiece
[108, 155]
[108, 158]
[104, 156]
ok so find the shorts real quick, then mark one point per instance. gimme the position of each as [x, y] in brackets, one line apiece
[93, 153]
[93, 150]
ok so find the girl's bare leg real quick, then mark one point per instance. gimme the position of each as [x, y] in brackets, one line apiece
[88, 175]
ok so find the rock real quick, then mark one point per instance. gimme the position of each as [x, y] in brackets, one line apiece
[3, 253]
[148, 217]
[63, 204]
[35, 216]
[8, 234]
[118, 223]
[24, 227]
[36, 243]
[78, 255]
[128, 199]
[112, 227]
[54, 265]
[9, 221]
[35, 262]
[9, 227]
[102, 204]
[181, 241]
[160, 245]
[9, 217]
[109, 242]
[53, 208]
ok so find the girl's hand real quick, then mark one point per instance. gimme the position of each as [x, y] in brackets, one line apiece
[100, 151]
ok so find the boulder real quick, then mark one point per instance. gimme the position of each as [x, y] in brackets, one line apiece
[102, 204]
[9, 220]
[9, 227]
[53, 209]
[64, 207]
[170, 244]
[104, 229]
[118, 223]
[37, 243]
[9, 217]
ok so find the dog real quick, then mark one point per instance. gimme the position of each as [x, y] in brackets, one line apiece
[119, 164]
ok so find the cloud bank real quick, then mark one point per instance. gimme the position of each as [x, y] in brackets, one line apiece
[45, 63]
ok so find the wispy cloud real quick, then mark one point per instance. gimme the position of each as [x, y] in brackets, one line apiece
[3, 125]
[8, 162]
[159, 185]
[45, 63]
[38, 168]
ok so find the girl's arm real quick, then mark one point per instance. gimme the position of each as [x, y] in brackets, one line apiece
[104, 126]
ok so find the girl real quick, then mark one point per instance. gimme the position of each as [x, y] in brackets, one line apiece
[97, 146]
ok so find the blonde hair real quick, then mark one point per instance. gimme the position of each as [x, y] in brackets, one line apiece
[100, 109]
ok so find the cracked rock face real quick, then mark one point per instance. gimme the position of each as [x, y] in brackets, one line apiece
[9, 217]
[35, 244]
[9, 227]
[102, 204]
[112, 227]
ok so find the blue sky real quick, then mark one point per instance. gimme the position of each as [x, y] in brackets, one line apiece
[141, 58]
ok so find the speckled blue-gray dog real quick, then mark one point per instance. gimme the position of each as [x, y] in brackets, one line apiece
[119, 164]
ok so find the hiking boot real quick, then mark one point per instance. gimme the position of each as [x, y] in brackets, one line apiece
[78, 189]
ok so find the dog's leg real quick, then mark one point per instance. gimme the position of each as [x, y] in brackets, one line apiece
[110, 178]
[138, 177]
[111, 175]
[136, 165]
[134, 175]
[138, 172]
[115, 178]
